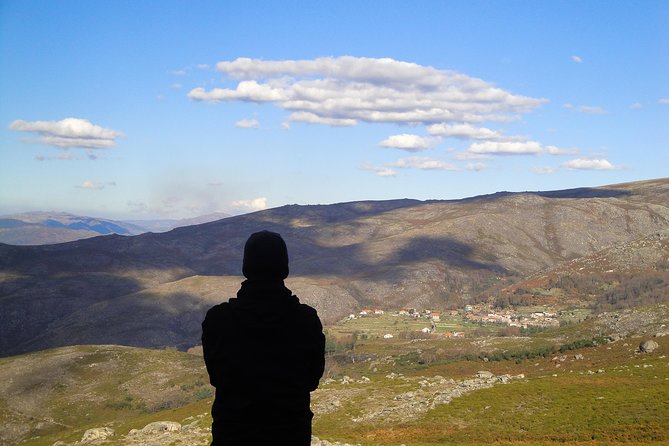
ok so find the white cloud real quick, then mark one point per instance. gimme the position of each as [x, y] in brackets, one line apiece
[247, 124]
[254, 204]
[69, 133]
[311, 118]
[348, 90]
[552, 150]
[379, 171]
[506, 148]
[590, 164]
[467, 131]
[423, 163]
[468, 156]
[636, 106]
[91, 185]
[577, 59]
[203, 66]
[476, 166]
[663, 101]
[587, 109]
[545, 170]
[176, 85]
[409, 142]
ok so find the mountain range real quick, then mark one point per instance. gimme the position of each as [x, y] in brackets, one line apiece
[152, 290]
[41, 228]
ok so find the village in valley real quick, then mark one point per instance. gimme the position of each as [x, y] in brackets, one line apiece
[453, 323]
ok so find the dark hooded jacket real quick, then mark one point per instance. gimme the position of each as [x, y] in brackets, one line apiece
[264, 352]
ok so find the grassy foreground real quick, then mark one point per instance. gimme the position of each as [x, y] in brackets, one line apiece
[606, 394]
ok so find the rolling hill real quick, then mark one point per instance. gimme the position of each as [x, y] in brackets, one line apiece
[153, 289]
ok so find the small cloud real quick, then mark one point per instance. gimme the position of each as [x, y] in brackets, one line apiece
[69, 133]
[255, 204]
[409, 142]
[285, 125]
[590, 164]
[215, 184]
[423, 163]
[587, 109]
[663, 101]
[553, 150]
[203, 66]
[66, 156]
[468, 131]
[379, 171]
[311, 118]
[506, 148]
[577, 59]
[91, 185]
[468, 156]
[93, 156]
[476, 166]
[181, 72]
[545, 170]
[176, 85]
[247, 124]
[636, 106]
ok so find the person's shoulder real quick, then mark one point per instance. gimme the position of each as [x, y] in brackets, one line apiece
[218, 311]
[308, 313]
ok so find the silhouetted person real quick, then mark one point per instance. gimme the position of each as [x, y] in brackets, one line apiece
[264, 352]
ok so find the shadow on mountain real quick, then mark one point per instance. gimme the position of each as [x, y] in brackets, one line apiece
[450, 252]
[35, 305]
[584, 192]
[581, 192]
[74, 316]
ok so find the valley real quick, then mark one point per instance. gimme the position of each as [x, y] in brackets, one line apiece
[578, 383]
[531, 318]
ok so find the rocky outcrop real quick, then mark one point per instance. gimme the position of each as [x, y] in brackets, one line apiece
[96, 434]
[648, 346]
[387, 406]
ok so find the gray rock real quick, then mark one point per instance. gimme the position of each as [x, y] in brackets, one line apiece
[161, 426]
[484, 374]
[648, 346]
[97, 433]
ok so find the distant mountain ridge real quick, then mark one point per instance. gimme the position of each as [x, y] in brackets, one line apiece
[43, 228]
[153, 289]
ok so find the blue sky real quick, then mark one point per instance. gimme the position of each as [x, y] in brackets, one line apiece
[139, 109]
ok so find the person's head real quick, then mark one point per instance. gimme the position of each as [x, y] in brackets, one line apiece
[265, 257]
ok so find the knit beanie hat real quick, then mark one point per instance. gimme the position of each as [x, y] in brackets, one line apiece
[265, 257]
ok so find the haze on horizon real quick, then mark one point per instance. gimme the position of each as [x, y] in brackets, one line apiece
[135, 111]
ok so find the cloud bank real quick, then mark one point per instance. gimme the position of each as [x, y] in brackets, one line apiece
[69, 133]
[344, 91]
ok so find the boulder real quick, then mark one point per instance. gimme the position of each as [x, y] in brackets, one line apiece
[648, 346]
[484, 374]
[97, 433]
[161, 426]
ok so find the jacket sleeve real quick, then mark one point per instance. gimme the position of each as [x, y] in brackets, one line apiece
[210, 348]
[316, 358]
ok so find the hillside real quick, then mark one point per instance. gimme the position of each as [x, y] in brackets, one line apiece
[40, 228]
[625, 275]
[153, 289]
[542, 389]
[45, 228]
